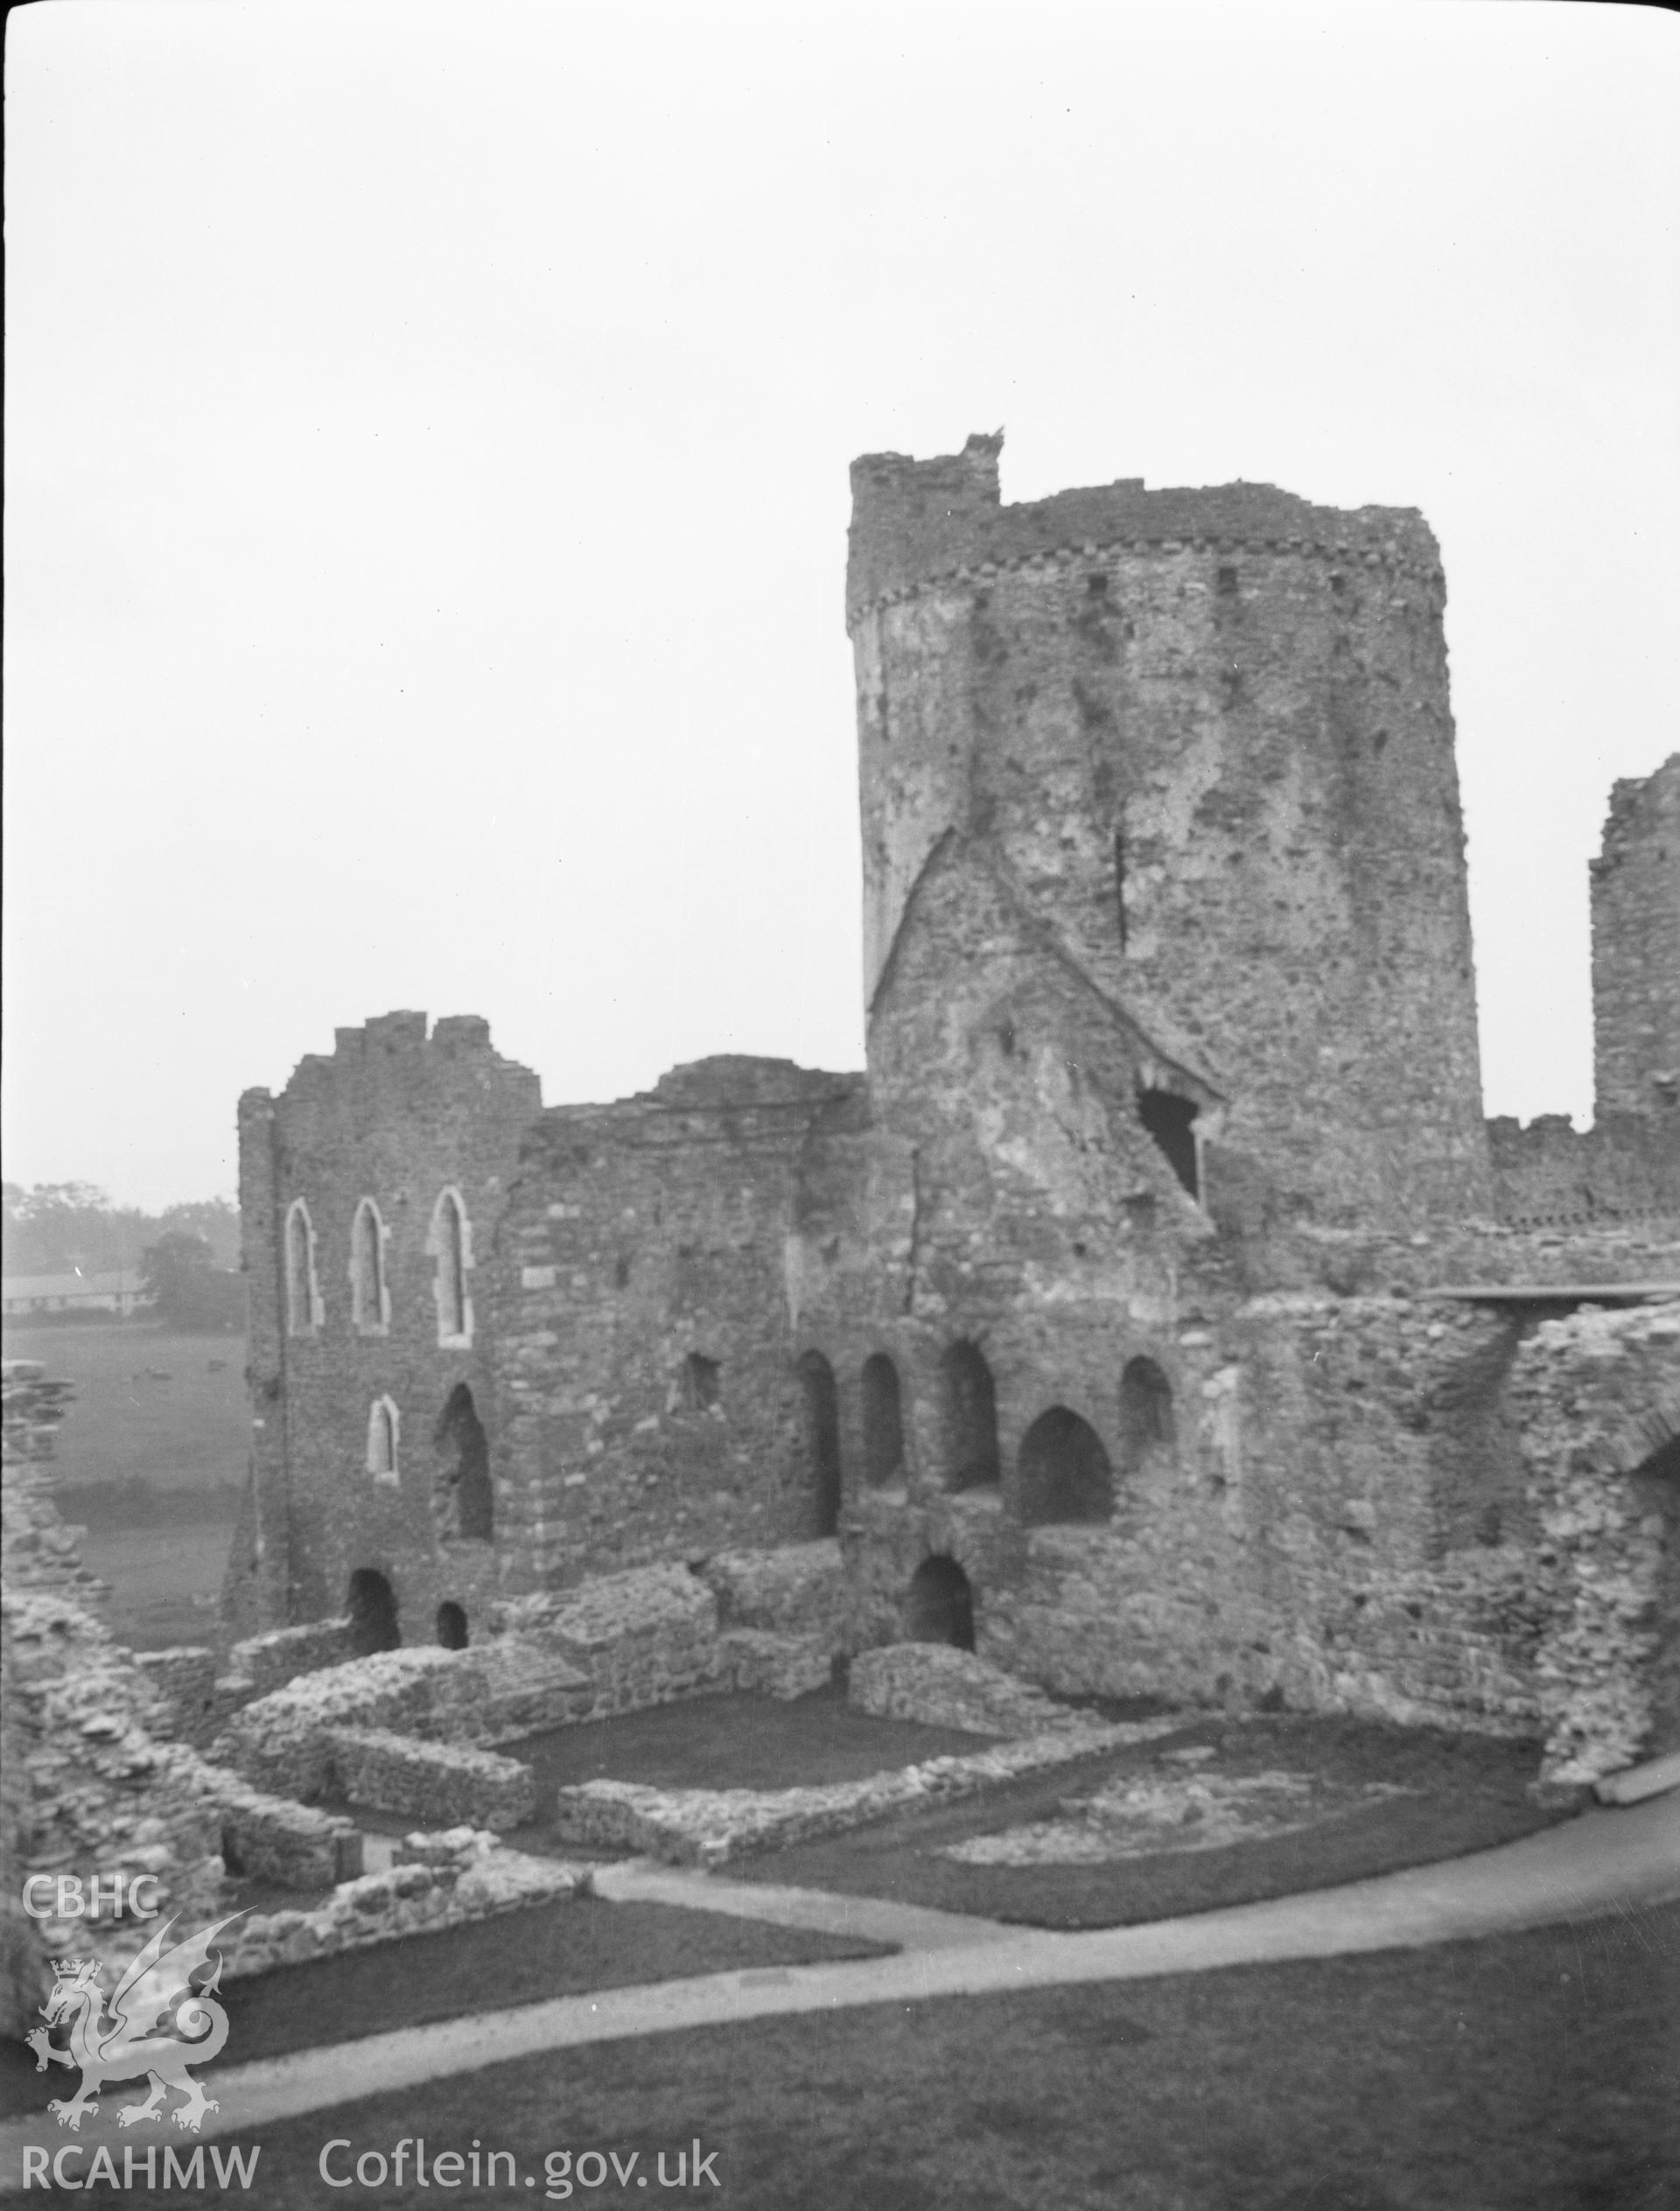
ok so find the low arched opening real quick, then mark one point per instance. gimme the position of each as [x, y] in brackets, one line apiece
[1064, 1471]
[451, 1624]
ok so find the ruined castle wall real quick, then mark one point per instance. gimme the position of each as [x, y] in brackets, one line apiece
[1596, 1399]
[1207, 736]
[1625, 1167]
[1636, 952]
[1339, 1519]
[646, 1340]
[397, 1117]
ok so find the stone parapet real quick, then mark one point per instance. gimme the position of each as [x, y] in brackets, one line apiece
[917, 523]
[432, 1781]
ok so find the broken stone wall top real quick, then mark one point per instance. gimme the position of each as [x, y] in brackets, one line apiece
[915, 520]
[1636, 951]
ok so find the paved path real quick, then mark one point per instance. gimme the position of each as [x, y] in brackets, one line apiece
[912, 1927]
[1599, 1863]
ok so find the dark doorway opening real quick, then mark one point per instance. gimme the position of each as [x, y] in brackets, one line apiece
[971, 1419]
[940, 1606]
[462, 1499]
[1146, 1412]
[451, 1624]
[703, 1385]
[1064, 1470]
[1169, 1120]
[373, 1613]
[882, 1419]
[822, 1441]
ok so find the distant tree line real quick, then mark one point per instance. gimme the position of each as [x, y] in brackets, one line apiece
[187, 1256]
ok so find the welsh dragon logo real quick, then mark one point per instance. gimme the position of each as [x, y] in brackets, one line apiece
[119, 2043]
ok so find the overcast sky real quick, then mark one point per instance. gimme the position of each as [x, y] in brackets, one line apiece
[428, 436]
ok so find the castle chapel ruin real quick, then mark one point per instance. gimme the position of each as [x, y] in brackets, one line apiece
[1159, 1314]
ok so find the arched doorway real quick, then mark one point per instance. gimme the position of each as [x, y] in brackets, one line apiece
[463, 1500]
[883, 1420]
[1065, 1473]
[373, 1613]
[451, 1624]
[971, 1419]
[822, 1442]
[1145, 1413]
[939, 1605]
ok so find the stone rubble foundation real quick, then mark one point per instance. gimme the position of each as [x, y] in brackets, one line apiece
[437, 1881]
[708, 1828]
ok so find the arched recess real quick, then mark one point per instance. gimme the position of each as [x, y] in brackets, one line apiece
[384, 1431]
[370, 1303]
[821, 1410]
[1146, 1427]
[939, 1605]
[1064, 1471]
[971, 1456]
[883, 1420]
[371, 1608]
[451, 1624]
[463, 1496]
[303, 1298]
[450, 1242]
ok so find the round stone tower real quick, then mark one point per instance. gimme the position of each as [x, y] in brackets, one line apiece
[1203, 737]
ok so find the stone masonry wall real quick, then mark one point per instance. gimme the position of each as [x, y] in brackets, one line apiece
[1597, 1401]
[1337, 1520]
[1636, 951]
[645, 1345]
[399, 1117]
[1207, 736]
[1626, 1167]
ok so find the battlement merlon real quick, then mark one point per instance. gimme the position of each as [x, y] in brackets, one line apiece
[455, 1049]
[914, 521]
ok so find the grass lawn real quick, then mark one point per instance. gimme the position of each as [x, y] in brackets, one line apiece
[153, 1468]
[1472, 1792]
[522, 1957]
[733, 1742]
[1538, 2072]
[190, 1431]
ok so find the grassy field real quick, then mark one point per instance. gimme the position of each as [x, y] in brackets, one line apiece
[1465, 1793]
[522, 1957]
[734, 1742]
[1538, 2072]
[151, 1461]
